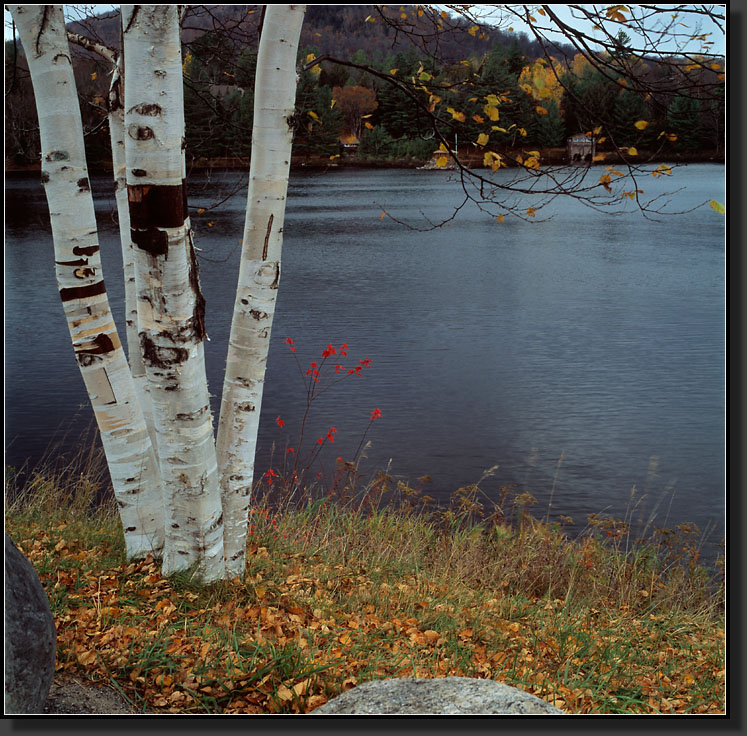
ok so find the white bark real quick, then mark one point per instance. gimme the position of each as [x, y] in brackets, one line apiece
[170, 306]
[98, 350]
[275, 92]
[117, 135]
[115, 119]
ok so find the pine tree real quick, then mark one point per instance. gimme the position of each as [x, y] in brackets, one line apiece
[683, 119]
[629, 108]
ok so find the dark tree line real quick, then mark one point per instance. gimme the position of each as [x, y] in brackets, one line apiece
[380, 96]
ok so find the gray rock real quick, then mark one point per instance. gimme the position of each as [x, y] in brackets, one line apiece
[30, 636]
[441, 696]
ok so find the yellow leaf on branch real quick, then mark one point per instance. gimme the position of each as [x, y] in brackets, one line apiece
[492, 112]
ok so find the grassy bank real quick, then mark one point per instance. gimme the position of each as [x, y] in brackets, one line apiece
[336, 594]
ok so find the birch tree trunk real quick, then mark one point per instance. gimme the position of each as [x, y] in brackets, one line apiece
[98, 350]
[117, 135]
[259, 275]
[169, 303]
[115, 119]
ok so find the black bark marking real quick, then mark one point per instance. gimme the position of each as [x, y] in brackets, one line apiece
[102, 345]
[161, 357]
[198, 315]
[246, 406]
[215, 524]
[153, 241]
[157, 205]
[150, 110]
[44, 177]
[82, 292]
[131, 529]
[84, 273]
[191, 416]
[84, 185]
[79, 262]
[42, 27]
[139, 172]
[57, 156]
[175, 525]
[258, 315]
[267, 238]
[134, 15]
[115, 95]
[141, 132]
[88, 250]
[276, 280]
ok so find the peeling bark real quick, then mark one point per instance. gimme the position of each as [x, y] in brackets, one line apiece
[129, 452]
[169, 303]
[259, 276]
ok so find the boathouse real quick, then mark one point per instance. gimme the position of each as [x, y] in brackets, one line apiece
[581, 148]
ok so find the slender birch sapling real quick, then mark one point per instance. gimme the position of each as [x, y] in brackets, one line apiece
[259, 274]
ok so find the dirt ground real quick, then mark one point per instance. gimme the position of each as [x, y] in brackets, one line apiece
[73, 697]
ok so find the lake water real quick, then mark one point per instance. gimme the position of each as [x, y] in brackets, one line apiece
[583, 355]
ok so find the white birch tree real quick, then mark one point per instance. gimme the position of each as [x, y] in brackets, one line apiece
[259, 274]
[170, 307]
[115, 119]
[98, 350]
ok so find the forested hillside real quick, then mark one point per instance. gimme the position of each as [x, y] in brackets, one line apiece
[494, 88]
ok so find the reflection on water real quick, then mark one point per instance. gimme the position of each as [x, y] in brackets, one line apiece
[599, 339]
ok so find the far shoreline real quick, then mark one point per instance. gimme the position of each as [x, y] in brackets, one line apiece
[472, 160]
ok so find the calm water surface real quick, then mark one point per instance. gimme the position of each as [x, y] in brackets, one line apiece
[585, 353]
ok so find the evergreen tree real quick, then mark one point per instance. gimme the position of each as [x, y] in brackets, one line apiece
[589, 102]
[683, 119]
[549, 130]
[499, 76]
[629, 108]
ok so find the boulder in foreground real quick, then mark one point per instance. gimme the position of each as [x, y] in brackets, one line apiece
[441, 696]
[30, 636]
